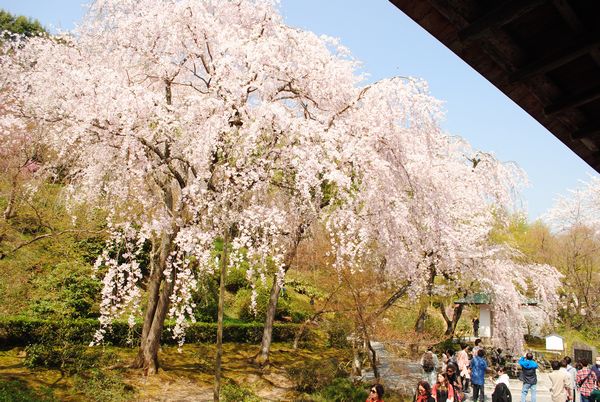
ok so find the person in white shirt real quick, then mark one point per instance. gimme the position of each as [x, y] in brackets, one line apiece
[566, 362]
[502, 377]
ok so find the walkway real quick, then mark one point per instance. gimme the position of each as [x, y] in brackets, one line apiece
[403, 375]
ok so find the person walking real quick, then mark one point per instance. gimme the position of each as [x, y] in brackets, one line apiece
[528, 376]
[573, 373]
[596, 367]
[476, 347]
[429, 364]
[478, 367]
[560, 380]
[455, 381]
[462, 358]
[476, 327]
[586, 381]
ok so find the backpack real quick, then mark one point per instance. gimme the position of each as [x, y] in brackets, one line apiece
[428, 362]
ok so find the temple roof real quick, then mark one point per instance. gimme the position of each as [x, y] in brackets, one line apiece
[543, 54]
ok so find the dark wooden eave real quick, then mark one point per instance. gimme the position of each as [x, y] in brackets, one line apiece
[543, 54]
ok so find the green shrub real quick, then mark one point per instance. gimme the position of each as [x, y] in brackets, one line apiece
[99, 386]
[231, 392]
[445, 345]
[337, 334]
[342, 390]
[70, 292]
[236, 279]
[90, 249]
[244, 310]
[206, 298]
[68, 358]
[315, 375]
[23, 331]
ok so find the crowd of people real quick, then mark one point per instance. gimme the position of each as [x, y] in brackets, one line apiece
[456, 375]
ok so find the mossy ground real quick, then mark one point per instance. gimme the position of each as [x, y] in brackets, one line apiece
[184, 375]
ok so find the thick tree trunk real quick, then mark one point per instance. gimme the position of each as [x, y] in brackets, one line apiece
[422, 316]
[451, 323]
[265, 346]
[159, 293]
[223, 269]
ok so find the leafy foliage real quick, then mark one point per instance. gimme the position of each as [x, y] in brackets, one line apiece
[244, 305]
[20, 24]
[338, 331]
[25, 330]
[70, 294]
[315, 375]
[341, 390]
[100, 386]
[231, 392]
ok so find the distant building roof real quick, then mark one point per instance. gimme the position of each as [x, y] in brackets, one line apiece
[486, 298]
[475, 298]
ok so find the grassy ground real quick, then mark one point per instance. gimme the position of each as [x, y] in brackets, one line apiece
[185, 375]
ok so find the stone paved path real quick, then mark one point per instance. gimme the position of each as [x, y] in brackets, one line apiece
[403, 374]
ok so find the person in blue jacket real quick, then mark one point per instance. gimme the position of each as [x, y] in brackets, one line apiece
[528, 376]
[478, 367]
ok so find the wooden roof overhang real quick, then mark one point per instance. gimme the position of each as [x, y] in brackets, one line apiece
[543, 54]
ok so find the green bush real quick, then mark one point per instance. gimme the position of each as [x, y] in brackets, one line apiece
[99, 386]
[23, 331]
[206, 298]
[342, 390]
[236, 279]
[337, 334]
[315, 375]
[231, 392]
[445, 345]
[68, 358]
[244, 310]
[68, 294]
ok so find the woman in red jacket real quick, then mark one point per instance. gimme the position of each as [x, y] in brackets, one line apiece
[376, 394]
[424, 392]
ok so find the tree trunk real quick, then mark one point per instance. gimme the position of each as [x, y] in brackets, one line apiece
[265, 346]
[356, 357]
[373, 360]
[159, 293]
[223, 269]
[9, 211]
[451, 323]
[300, 332]
[420, 324]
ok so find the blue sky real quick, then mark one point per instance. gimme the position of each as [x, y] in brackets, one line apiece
[389, 43]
